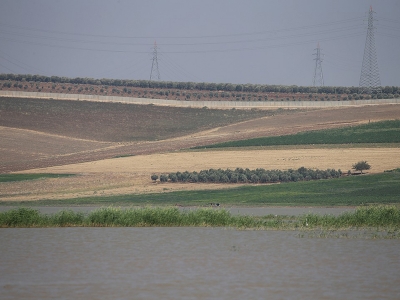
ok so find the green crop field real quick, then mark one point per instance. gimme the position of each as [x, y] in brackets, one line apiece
[21, 177]
[378, 132]
[381, 188]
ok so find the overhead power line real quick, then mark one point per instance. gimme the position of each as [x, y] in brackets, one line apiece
[182, 37]
[18, 63]
[347, 35]
[263, 39]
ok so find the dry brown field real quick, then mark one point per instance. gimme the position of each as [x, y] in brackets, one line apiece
[99, 172]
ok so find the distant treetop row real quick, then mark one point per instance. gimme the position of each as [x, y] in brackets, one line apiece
[208, 86]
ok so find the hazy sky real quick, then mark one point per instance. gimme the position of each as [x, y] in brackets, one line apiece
[237, 41]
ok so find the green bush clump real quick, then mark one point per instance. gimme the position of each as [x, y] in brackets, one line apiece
[240, 175]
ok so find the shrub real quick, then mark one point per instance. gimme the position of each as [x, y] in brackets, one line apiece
[234, 178]
[173, 177]
[242, 178]
[194, 177]
[163, 178]
[254, 178]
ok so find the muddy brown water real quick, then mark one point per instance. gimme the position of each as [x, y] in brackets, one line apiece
[193, 263]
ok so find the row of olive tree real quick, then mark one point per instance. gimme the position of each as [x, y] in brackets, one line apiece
[240, 175]
[208, 86]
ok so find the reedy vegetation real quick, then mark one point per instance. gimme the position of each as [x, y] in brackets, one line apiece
[363, 217]
[130, 217]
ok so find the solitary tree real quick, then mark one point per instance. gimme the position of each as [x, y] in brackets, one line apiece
[361, 165]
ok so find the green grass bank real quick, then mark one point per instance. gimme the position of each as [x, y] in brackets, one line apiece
[387, 217]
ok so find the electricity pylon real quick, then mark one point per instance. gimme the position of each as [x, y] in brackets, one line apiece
[370, 81]
[318, 75]
[155, 73]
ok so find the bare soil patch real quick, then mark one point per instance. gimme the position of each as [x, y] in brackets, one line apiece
[25, 149]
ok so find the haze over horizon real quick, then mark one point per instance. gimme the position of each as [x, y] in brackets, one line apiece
[230, 41]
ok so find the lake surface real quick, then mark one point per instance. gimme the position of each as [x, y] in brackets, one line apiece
[193, 263]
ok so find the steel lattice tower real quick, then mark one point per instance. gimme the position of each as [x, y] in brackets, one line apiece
[369, 80]
[318, 75]
[155, 73]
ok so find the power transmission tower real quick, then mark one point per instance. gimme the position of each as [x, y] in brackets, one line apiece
[155, 73]
[318, 75]
[370, 81]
